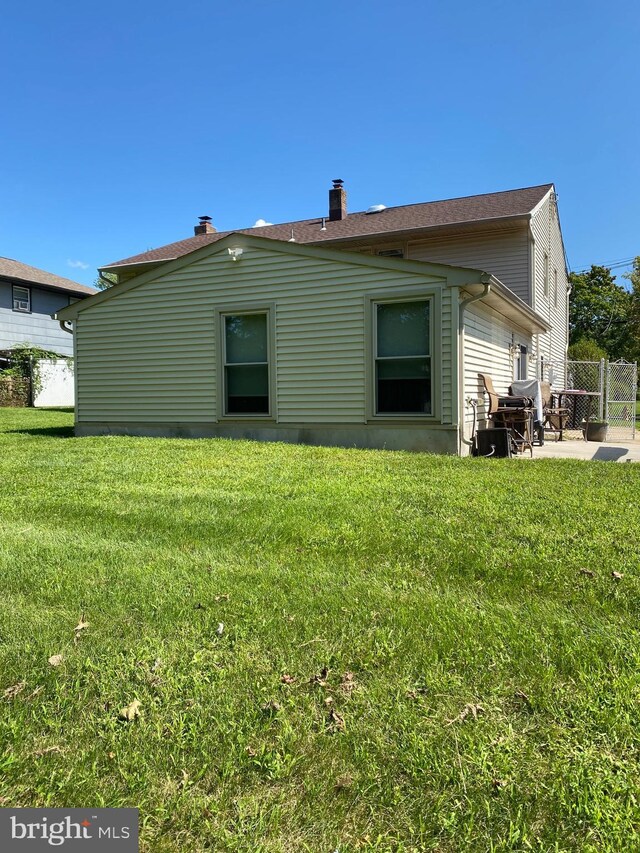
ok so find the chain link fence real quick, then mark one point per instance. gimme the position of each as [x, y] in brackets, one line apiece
[595, 392]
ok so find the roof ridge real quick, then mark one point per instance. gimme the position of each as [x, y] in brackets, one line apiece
[452, 198]
[478, 207]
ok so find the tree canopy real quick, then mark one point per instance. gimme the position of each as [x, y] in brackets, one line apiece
[605, 313]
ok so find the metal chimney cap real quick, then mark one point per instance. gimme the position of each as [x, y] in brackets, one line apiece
[204, 218]
[337, 183]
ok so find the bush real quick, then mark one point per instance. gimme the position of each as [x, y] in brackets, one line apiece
[586, 349]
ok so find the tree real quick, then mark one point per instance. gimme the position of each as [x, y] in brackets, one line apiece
[600, 310]
[634, 278]
[107, 279]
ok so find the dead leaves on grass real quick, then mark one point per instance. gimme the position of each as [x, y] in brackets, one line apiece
[56, 660]
[335, 722]
[321, 678]
[80, 627]
[469, 710]
[130, 712]
[47, 750]
[13, 691]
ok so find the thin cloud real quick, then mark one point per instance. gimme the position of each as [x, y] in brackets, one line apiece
[260, 223]
[78, 265]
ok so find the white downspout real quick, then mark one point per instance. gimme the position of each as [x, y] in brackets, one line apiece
[486, 280]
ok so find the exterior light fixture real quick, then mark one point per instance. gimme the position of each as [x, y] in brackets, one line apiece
[235, 254]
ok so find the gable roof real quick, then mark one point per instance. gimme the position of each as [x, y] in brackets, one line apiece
[23, 273]
[470, 279]
[510, 204]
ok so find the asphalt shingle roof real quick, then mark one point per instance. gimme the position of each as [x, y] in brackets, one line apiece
[32, 275]
[410, 217]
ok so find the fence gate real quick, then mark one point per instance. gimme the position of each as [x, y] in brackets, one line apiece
[611, 389]
[620, 400]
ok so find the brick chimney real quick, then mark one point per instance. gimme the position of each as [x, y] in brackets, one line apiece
[204, 226]
[337, 201]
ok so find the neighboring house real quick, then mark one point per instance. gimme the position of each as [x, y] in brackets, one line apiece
[28, 298]
[247, 336]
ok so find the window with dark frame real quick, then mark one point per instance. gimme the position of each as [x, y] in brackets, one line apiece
[403, 358]
[21, 299]
[522, 362]
[246, 364]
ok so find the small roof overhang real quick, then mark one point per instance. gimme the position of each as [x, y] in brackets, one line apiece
[507, 303]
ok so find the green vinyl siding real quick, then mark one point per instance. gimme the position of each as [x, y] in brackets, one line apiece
[149, 353]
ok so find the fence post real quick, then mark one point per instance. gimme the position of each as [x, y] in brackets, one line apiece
[602, 391]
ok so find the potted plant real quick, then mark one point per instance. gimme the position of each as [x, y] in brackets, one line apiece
[597, 430]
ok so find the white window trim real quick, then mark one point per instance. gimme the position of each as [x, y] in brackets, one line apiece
[268, 309]
[15, 299]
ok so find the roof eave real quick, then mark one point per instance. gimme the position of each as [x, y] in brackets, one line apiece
[464, 225]
[57, 288]
[509, 304]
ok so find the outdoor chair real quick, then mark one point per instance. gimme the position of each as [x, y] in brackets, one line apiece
[555, 417]
[511, 412]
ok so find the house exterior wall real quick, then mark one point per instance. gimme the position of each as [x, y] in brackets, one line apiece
[547, 238]
[501, 253]
[36, 327]
[147, 358]
[488, 338]
[505, 254]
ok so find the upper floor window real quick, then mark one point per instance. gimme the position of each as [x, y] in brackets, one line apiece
[403, 357]
[545, 275]
[21, 298]
[246, 364]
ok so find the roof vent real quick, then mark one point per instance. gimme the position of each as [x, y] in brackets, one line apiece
[376, 208]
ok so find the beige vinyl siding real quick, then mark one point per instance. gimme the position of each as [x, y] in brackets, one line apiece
[487, 339]
[448, 367]
[545, 229]
[148, 355]
[504, 254]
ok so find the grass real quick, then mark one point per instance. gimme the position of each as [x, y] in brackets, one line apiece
[484, 689]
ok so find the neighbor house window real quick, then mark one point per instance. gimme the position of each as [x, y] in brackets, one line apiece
[21, 298]
[403, 358]
[545, 274]
[246, 364]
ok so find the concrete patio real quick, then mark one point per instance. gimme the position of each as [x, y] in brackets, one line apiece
[611, 451]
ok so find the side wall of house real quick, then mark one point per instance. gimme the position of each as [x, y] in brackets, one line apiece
[148, 356]
[488, 341]
[505, 254]
[35, 327]
[551, 302]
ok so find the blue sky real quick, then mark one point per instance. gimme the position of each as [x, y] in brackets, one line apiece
[125, 121]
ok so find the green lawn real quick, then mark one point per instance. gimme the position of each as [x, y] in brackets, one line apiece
[481, 690]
